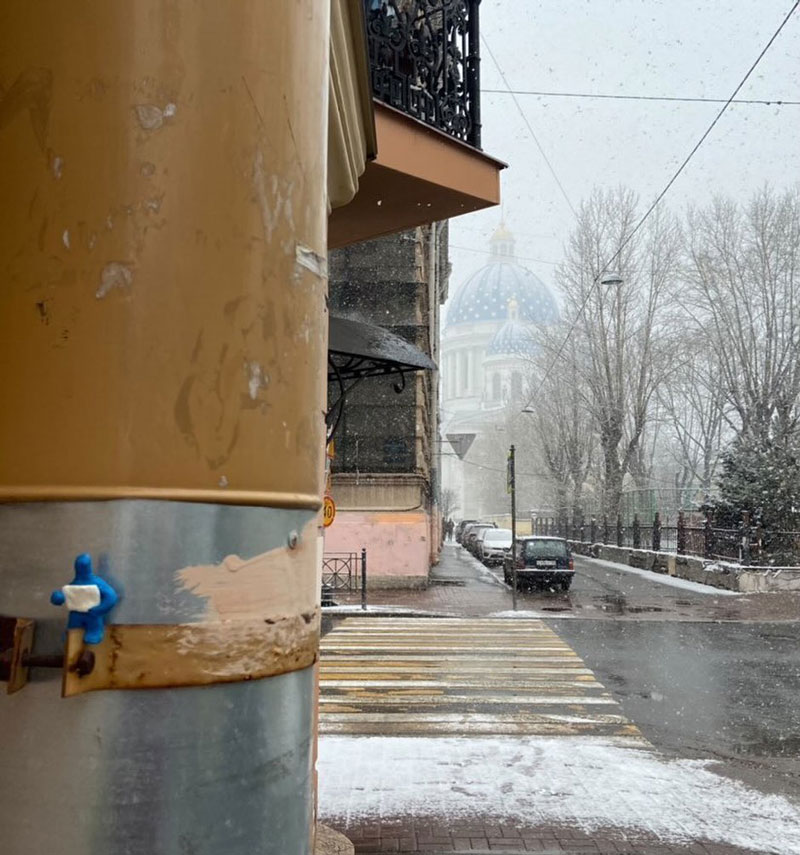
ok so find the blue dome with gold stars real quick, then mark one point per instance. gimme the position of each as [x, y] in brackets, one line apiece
[512, 339]
[486, 294]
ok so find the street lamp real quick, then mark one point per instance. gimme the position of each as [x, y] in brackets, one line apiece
[611, 279]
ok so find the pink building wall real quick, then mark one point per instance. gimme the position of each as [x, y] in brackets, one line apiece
[398, 544]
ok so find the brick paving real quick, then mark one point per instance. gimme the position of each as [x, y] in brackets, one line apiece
[407, 837]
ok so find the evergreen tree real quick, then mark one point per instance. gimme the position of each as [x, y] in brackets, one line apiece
[762, 477]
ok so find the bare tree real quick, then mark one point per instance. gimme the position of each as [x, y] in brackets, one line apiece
[561, 421]
[693, 406]
[448, 502]
[617, 321]
[742, 270]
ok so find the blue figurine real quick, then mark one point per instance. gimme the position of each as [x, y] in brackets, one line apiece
[89, 600]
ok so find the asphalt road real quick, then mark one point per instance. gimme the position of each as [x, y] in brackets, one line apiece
[600, 590]
[726, 690]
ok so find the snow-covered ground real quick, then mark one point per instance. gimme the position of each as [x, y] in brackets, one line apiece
[355, 609]
[589, 783]
[663, 579]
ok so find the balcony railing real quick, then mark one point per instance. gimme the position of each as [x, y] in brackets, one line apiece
[425, 60]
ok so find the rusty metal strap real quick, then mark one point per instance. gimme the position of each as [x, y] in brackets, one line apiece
[139, 656]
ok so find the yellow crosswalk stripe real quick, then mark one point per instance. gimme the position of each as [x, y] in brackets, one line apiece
[417, 676]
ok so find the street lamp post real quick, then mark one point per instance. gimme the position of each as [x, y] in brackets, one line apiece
[512, 489]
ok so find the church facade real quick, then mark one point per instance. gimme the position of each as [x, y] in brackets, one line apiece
[488, 345]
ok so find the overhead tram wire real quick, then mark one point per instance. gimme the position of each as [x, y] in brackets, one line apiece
[517, 257]
[664, 192]
[774, 102]
[530, 128]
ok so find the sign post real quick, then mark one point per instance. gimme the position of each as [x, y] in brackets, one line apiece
[511, 487]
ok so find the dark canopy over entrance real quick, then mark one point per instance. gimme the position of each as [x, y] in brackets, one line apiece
[357, 350]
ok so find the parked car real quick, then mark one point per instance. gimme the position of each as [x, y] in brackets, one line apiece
[460, 529]
[476, 546]
[542, 562]
[467, 529]
[471, 535]
[494, 545]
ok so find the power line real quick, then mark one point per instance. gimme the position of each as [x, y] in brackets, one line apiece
[775, 102]
[516, 257]
[664, 192]
[495, 469]
[530, 129]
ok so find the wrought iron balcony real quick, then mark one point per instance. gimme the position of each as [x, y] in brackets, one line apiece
[425, 59]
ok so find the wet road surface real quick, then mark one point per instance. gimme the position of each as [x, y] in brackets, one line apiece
[724, 691]
[700, 672]
[602, 590]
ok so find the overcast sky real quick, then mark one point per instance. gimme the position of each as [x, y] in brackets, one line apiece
[632, 47]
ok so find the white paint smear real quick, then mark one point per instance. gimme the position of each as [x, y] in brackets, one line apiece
[589, 783]
[114, 275]
[151, 117]
[65, 238]
[310, 260]
[256, 379]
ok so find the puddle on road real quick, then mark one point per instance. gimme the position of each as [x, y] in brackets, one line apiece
[618, 605]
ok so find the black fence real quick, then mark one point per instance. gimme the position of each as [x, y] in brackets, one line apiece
[341, 571]
[344, 572]
[425, 59]
[689, 534]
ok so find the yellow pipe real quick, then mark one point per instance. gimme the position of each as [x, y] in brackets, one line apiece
[162, 243]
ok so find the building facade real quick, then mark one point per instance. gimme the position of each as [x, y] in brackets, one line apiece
[385, 477]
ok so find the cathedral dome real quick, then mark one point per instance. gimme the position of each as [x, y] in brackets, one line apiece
[514, 338]
[485, 295]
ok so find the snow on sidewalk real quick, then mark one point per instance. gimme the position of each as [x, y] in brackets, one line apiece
[663, 579]
[587, 783]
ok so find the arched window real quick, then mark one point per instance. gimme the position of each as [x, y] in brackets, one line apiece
[495, 386]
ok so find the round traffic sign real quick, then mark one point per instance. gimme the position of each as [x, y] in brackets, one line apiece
[328, 511]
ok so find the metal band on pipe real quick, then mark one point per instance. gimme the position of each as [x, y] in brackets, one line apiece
[139, 656]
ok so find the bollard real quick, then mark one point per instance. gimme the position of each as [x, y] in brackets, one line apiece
[363, 579]
[745, 533]
[708, 538]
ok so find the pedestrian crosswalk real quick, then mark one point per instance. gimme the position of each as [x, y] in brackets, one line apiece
[459, 677]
